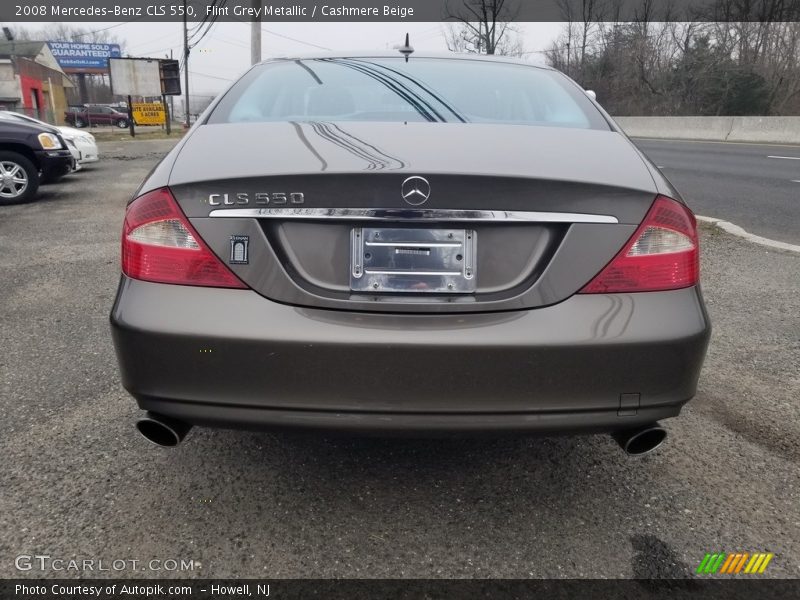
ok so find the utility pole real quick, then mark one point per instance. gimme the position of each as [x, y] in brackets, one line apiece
[255, 36]
[172, 98]
[187, 120]
[167, 113]
[568, 58]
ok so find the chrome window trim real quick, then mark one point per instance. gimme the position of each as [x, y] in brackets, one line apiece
[413, 215]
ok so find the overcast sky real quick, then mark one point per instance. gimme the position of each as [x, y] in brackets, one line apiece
[225, 52]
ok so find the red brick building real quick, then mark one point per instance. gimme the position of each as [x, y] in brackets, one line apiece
[32, 82]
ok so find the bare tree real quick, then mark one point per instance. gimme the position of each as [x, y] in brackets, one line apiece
[590, 13]
[459, 38]
[582, 18]
[484, 27]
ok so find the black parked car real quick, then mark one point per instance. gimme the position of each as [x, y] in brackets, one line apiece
[29, 155]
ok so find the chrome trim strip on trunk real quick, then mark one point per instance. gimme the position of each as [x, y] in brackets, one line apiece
[412, 214]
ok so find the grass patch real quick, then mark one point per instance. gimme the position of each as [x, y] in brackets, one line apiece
[709, 228]
[123, 135]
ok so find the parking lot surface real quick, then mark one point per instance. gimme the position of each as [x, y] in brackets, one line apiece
[79, 482]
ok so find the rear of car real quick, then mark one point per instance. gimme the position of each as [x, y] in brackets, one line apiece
[443, 244]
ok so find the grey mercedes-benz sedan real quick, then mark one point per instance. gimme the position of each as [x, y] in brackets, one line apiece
[428, 244]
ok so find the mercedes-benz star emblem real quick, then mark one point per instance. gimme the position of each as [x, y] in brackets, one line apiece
[415, 190]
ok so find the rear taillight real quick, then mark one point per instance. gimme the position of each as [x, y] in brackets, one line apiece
[661, 255]
[159, 244]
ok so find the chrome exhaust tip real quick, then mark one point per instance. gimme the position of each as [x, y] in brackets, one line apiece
[161, 430]
[641, 441]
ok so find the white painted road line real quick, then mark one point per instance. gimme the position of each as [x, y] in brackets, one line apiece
[786, 157]
[756, 239]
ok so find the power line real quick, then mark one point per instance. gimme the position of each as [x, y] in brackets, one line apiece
[208, 29]
[160, 49]
[193, 31]
[208, 22]
[286, 37]
[210, 76]
[77, 35]
[187, 46]
[148, 42]
[231, 42]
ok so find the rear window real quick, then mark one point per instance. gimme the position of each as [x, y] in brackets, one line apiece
[422, 89]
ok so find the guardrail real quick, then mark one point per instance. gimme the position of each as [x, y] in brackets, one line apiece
[768, 130]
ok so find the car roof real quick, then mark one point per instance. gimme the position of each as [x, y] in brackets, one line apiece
[417, 54]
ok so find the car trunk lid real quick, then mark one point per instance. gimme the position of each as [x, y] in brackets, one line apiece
[544, 208]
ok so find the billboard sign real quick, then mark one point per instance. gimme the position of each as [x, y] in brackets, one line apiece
[135, 77]
[79, 57]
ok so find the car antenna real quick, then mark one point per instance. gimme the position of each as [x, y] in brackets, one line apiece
[406, 49]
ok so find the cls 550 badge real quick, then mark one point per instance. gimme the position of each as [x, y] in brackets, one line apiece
[259, 198]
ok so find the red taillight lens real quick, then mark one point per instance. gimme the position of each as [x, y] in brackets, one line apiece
[159, 244]
[661, 255]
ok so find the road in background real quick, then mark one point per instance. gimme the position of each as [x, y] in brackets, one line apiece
[739, 183]
[77, 480]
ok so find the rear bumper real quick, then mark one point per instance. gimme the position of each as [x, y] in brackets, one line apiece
[233, 358]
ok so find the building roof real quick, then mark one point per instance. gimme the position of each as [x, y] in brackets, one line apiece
[38, 52]
[19, 48]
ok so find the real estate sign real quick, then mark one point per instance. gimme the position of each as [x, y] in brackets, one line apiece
[148, 113]
[79, 57]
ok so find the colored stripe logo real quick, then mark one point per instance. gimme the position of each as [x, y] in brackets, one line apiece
[733, 563]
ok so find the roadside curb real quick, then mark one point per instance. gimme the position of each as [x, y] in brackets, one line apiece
[756, 239]
[650, 138]
[753, 129]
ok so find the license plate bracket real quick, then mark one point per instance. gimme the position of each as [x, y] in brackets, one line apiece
[415, 261]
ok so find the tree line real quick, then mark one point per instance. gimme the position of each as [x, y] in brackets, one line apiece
[748, 64]
[727, 57]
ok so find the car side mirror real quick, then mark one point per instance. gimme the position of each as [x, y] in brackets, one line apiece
[591, 94]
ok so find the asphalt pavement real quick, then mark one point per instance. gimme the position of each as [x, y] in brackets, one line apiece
[77, 481]
[755, 186]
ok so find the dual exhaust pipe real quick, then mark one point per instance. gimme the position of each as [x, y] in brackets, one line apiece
[168, 432]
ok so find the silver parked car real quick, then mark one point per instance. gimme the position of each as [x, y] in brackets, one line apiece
[438, 244]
